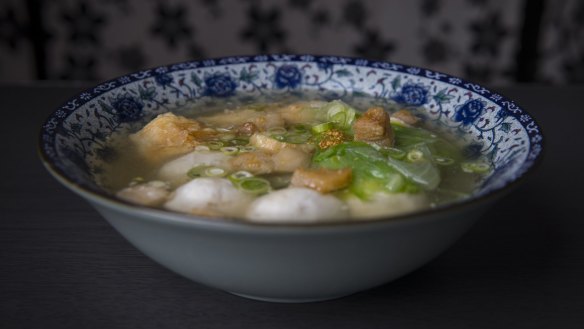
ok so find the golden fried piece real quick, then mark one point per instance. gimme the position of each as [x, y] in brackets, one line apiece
[301, 112]
[406, 117]
[260, 162]
[268, 144]
[255, 162]
[323, 180]
[374, 127]
[289, 159]
[168, 136]
[263, 120]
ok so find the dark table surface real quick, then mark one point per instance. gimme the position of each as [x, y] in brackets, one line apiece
[520, 266]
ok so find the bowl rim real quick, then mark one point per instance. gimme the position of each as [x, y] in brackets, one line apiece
[106, 199]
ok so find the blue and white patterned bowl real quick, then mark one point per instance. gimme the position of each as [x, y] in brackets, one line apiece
[289, 262]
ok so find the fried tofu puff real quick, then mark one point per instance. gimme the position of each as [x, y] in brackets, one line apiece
[168, 136]
[373, 127]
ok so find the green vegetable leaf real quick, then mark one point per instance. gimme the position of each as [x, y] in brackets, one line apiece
[424, 173]
[407, 136]
[340, 113]
[371, 171]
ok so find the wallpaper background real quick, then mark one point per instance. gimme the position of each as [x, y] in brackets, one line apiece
[488, 41]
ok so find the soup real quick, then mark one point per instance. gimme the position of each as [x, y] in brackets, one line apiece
[291, 161]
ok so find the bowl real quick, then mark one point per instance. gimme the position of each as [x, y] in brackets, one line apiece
[290, 262]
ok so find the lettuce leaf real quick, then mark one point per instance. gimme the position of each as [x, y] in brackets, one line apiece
[408, 137]
[372, 172]
[423, 172]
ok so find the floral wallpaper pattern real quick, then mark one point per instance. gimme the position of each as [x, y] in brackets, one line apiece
[480, 40]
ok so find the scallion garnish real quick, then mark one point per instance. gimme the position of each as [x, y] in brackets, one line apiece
[299, 128]
[395, 153]
[339, 118]
[277, 131]
[475, 167]
[226, 137]
[214, 172]
[297, 139]
[320, 128]
[248, 148]
[239, 175]
[443, 161]
[215, 145]
[254, 185]
[415, 155]
[197, 171]
[239, 141]
[206, 171]
[229, 150]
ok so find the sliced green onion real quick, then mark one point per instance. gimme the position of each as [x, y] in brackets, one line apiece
[339, 118]
[475, 167]
[197, 171]
[239, 141]
[340, 113]
[202, 148]
[229, 150]
[443, 161]
[299, 128]
[254, 185]
[280, 138]
[215, 145]
[415, 155]
[395, 153]
[215, 172]
[320, 128]
[226, 137]
[297, 139]
[248, 148]
[239, 175]
[277, 131]
[395, 183]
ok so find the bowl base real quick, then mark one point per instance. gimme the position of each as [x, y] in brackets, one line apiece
[288, 300]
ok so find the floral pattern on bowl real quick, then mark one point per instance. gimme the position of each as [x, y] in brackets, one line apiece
[73, 139]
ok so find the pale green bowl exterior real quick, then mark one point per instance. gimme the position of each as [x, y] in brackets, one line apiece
[289, 263]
